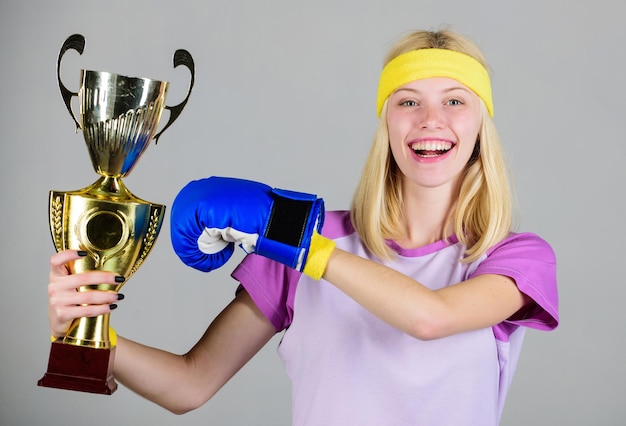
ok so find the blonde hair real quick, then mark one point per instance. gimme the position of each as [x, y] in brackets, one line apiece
[482, 215]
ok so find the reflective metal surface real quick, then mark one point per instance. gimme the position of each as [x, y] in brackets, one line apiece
[119, 117]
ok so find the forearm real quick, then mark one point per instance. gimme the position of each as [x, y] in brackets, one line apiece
[181, 383]
[410, 306]
[391, 296]
[159, 376]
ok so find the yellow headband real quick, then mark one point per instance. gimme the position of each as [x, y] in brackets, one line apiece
[426, 63]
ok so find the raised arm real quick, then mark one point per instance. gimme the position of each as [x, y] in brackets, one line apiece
[178, 383]
[210, 215]
[427, 314]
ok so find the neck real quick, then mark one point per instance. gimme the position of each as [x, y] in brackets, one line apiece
[426, 211]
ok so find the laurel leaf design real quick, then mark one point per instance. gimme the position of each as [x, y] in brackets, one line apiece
[149, 239]
[56, 222]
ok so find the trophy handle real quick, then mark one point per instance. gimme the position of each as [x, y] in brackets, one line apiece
[181, 57]
[75, 42]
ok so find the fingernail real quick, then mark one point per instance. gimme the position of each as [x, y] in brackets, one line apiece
[119, 279]
[120, 296]
[82, 253]
[112, 306]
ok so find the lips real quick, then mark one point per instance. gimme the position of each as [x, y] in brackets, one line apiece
[431, 148]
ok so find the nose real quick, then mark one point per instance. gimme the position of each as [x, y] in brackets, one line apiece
[431, 117]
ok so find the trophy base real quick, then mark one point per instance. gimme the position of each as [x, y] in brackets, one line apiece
[80, 368]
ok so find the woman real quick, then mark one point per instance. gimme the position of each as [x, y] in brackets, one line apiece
[418, 306]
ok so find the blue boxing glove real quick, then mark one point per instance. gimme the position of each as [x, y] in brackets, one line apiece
[210, 215]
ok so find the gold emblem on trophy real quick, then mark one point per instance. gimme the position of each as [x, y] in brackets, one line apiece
[119, 117]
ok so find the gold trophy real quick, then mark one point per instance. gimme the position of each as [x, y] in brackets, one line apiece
[119, 117]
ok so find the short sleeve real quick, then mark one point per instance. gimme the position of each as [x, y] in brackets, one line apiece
[531, 263]
[271, 286]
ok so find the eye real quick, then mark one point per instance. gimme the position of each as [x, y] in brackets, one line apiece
[453, 102]
[408, 103]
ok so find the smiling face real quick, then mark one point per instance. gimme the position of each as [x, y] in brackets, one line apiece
[433, 126]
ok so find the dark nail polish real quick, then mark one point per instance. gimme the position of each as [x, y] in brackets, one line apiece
[112, 306]
[82, 253]
[120, 296]
[119, 279]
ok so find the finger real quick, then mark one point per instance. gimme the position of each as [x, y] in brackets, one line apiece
[58, 297]
[62, 317]
[59, 260]
[69, 313]
[75, 281]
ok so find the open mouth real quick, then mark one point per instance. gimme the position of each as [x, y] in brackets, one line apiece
[429, 149]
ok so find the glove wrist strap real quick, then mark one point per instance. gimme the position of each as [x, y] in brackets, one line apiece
[290, 217]
[293, 218]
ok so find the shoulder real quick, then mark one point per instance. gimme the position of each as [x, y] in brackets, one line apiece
[337, 224]
[525, 257]
[523, 246]
[531, 262]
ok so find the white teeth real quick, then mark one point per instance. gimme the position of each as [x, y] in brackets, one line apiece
[431, 146]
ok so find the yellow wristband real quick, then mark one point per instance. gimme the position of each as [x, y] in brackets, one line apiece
[112, 337]
[319, 253]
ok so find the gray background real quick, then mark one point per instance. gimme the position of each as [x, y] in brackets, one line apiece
[285, 94]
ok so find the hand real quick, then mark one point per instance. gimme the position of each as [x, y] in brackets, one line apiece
[65, 303]
[210, 215]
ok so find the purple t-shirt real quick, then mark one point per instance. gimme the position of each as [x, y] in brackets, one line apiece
[349, 367]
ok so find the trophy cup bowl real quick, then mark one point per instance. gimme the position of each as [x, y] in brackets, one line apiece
[119, 117]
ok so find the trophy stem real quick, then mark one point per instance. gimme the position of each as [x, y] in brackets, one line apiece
[92, 332]
[110, 188]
